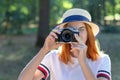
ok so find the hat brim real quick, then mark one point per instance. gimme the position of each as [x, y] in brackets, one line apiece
[94, 26]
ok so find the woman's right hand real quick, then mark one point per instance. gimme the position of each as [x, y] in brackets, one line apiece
[50, 41]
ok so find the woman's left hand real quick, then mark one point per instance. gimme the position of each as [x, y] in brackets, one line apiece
[79, 48]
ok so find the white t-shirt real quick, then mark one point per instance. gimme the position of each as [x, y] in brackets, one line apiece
[51, 65]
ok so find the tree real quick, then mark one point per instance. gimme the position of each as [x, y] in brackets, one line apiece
[43, 28]
[7, 16]
[113, 9]
[95, 10]
[15, 14]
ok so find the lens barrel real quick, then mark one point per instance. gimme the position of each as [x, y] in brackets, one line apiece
[67, 35]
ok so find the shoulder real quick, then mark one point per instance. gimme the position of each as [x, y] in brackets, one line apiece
[49, 56]
[104, 59]
[104, 56]
[52, 53]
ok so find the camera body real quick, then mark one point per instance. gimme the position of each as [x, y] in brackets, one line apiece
[67, 35]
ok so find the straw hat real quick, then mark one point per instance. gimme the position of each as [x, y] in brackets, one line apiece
[81, 15]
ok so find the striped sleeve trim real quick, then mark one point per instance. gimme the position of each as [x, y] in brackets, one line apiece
[44, 70]
[103, 73]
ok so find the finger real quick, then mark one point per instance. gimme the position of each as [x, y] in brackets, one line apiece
[76, 49]
[73, 43]
[53, 35]
[51, 38]
[56, 27]
[81, 46]
[79, 39]
[57, 30]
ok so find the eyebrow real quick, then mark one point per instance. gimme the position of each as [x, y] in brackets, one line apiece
[81, 27]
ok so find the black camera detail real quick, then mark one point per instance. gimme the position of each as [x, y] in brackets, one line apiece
[67, 35]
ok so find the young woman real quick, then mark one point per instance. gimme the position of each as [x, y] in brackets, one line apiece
[80, 60]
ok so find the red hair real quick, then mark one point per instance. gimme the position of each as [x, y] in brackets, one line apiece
[92, 52]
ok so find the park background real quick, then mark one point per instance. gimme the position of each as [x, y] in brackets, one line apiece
[24, 24]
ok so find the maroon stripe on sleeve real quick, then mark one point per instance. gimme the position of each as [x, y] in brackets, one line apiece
[103, 75]
[43, 71]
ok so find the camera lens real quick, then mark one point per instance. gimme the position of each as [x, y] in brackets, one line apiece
[67, 35]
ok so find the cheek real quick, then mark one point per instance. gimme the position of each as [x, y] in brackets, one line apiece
[83, 35]
[85, 38]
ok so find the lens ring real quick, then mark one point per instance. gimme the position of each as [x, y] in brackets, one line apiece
[67, 35]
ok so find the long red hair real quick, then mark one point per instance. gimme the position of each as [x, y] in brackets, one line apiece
[92, 52]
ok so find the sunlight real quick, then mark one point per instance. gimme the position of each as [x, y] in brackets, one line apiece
[59, 21]
[111, 17]
[13, 7]
[24, 10]
[67, 4]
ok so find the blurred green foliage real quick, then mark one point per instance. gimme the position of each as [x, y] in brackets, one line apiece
[19, 14]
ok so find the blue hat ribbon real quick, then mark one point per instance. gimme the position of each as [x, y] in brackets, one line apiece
[75, 18]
